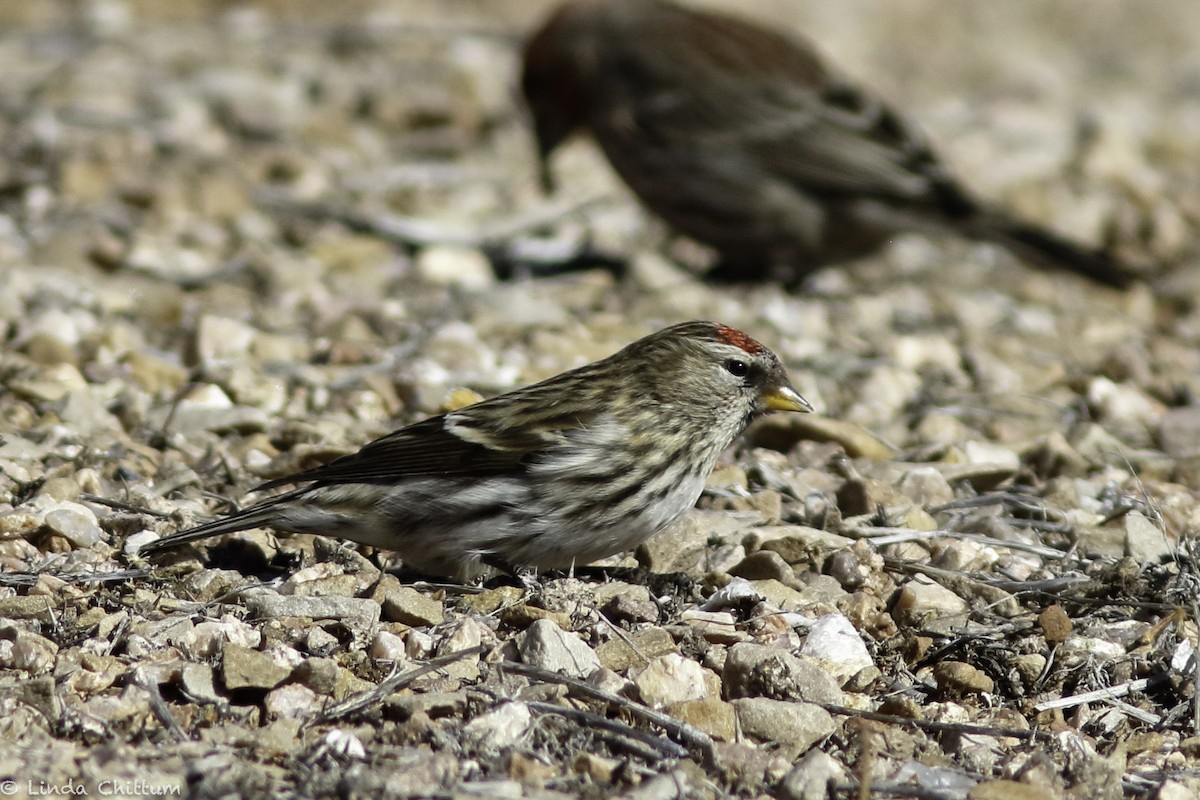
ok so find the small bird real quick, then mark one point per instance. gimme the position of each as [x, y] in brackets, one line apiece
[583, 465]
[743, 139]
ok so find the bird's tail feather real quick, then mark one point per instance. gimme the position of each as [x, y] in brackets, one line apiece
[1045, 249]
[257, 516]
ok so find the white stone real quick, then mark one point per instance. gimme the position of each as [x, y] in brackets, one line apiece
[452, 265]
[74, 522]
[501, 727]
[836, 645]
[544, 644]
[670, 679]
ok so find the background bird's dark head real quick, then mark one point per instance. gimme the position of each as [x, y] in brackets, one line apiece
[556, 77]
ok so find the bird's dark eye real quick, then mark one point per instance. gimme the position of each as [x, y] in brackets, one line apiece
[739, 369]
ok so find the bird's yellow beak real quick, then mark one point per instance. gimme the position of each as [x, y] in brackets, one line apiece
[785, 398]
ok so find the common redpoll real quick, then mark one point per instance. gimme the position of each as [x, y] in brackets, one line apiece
[583, 465]
[744, 140]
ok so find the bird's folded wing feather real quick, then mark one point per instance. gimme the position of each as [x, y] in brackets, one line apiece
[442, 445]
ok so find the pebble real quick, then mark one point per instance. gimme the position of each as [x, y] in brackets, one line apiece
[712, 715]
[671, 679]
[26, 651]
[412, 608]
[1145, 541]
[834, 644]
[196, 680]
[957, 677]
[812, 776]
[243, 668]
[719, 627]
[1179, 432]
[74, 522]
[386, 646]
[359, 610]
[755, 670]
[1055, 624]
[635, 649]
[451, 265]
[921, 600]
[793, 727]
[292, 701]
[501, 727]
[544, 644]
[1009, 790]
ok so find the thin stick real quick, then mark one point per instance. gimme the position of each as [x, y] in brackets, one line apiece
[681, 730]
[397, 680]
[1107, 693]
[931, 725]
[587, 718]
[117, 505]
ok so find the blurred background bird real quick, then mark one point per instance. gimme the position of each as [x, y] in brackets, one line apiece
[744, 140]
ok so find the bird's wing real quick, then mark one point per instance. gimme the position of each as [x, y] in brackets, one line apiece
[442, 445]
[752, 92]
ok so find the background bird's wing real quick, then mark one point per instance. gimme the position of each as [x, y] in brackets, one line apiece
[718, 85]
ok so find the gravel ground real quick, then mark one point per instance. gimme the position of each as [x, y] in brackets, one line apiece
[241, 239]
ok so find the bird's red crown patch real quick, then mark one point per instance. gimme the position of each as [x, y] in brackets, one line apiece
[738, 339]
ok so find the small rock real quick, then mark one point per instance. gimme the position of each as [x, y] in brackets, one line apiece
[922, 600]
[243, 668]
[644, 645]
[813, 777]
[206, 639]
[319, 641]
[544, 644]
[522, 615]
[501, 727]
[630, 607]
[319, 674]
[1122, 403]
[1174, 790]
[719, 627]
[780, 595]
[671, 679]
[344, 744]
[347, 609]
[755, 670]
[926, 487]
[292, 701]
[765, 564]
[490, 600]
[1009, 790]
[597, 769]
[683, 546]
[26, 651]
[74, 522]
[196, 680]
[795, 727]
[1029, 667]
[833, 643]
[710, 714]
[27, 607]
[1145, 542]
[450, 265]
[410, 607]
[958, 677]
[1179, 432]
[1055, 624]
[386, 646]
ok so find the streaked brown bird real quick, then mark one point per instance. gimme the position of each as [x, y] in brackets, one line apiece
[583, 465]
[743, 139]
